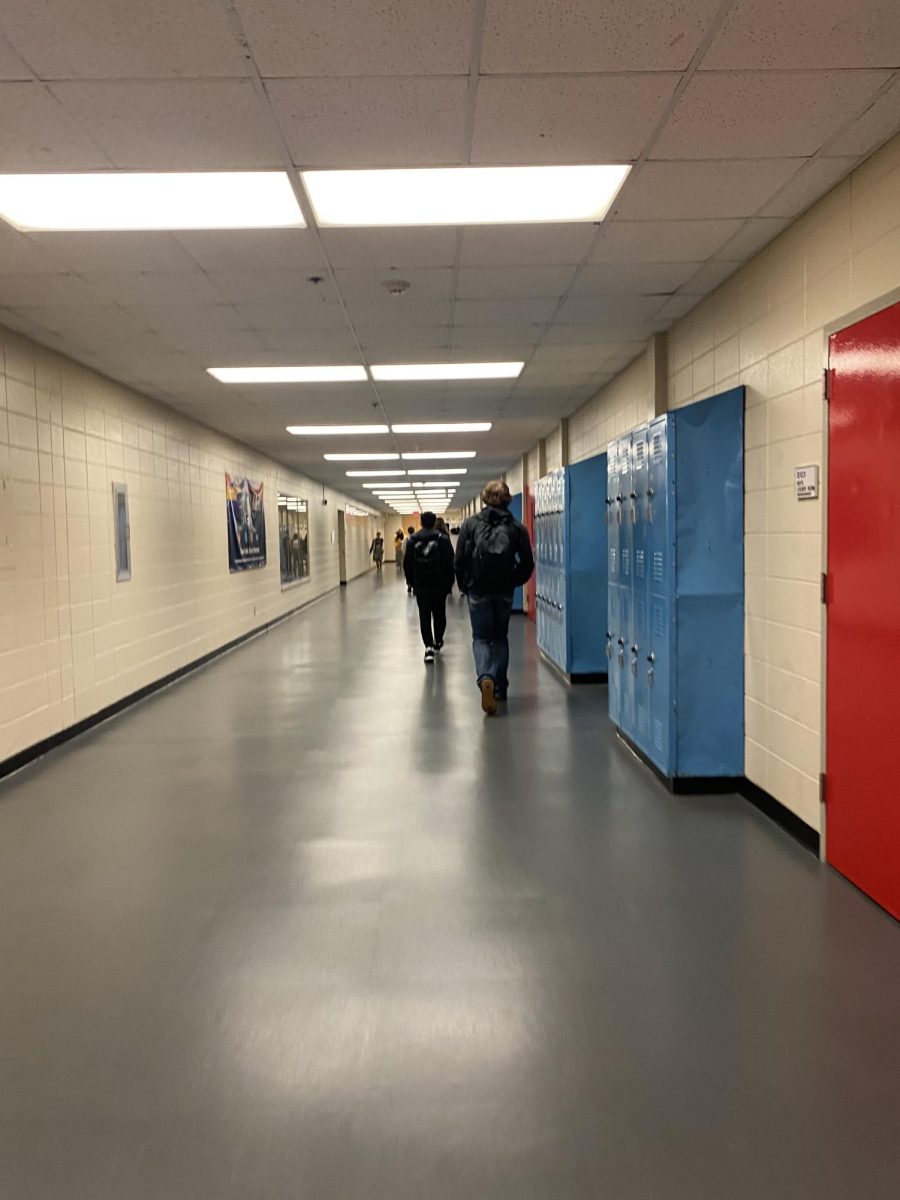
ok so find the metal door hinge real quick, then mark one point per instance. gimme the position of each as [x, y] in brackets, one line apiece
[824, 591]
[822, 789]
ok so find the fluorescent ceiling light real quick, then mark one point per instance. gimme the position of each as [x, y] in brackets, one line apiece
[341, 374]
[440, 471]
[372, 474]
[385, 456]
[440, 454]
[420, 372]
[464, 195]
[324, 430]
[433, 483]
[446, 427]
[109, 200]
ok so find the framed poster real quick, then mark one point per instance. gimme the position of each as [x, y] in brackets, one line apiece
[293, 539]
[246, 524]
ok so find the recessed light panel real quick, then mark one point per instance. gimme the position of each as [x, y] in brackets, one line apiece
[326, 430]
[440, 454]
[446, 427]
[440, 471]
[340, 374]
[150, 200]
[382, 457]
[463, 195]
[371, 474]
[420, 372]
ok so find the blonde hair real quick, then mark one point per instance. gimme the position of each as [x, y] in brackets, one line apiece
[495, 494]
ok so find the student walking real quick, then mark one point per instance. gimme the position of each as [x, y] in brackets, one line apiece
[428, 565]
[409, 532]
[398, 549]
[376, 550]
[493, 558]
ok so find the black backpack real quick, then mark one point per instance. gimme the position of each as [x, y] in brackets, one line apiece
[427, 562]
[493, 556]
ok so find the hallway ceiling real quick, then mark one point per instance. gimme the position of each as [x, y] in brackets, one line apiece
[736, 116]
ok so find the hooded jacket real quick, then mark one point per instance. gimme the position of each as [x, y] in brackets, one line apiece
[518, 536]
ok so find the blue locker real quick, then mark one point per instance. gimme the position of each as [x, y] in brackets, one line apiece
[679, 610]
[614, 620]
[571, 560]
[516, 508]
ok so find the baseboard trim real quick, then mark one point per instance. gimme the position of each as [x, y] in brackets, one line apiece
[581, 677]
[719, 785]
[29, 755]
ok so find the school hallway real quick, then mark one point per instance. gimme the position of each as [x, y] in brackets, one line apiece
[256, 946]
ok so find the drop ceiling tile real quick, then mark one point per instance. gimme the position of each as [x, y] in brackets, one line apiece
[761, 115]
[592, 35]
[154, 288]
[11, 65]
[498, 342]
[558, 119]
[357, 37]
[175, 125]
[508, 283]
[405, 313]
[36, 134]
[660, 241]
[309, 346]
[274, 287]
[675, 308]
[274, 318]
[623, 279]
[366, 286]
[813, 34]
[94, 327]
[754, 233]
[235, 250]
[608, 311]
[385, 248]
[119, 251]
[165, 317]
[709, 277]
[103, 39]
[372, 122]
[698, 190]
[878, 123]
[214, 347]
[20, 254]
[586, 357]
[526, 245]
[504, 312]
[808, 184]
[23, 291]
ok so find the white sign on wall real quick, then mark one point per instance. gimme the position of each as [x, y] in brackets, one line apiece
[806, 483]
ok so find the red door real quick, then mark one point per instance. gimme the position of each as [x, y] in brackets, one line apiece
[863, 696]
[531, 585]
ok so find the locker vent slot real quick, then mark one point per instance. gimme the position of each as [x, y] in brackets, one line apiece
[658, 734]
[638, 456]
[643, 720]
[658, 570]
[626, 562]
[657, 448]
[612, 560]
[659, 624]
[639, 564]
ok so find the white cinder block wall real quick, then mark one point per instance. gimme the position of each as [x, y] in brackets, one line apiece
[72, 640]
[766, 328]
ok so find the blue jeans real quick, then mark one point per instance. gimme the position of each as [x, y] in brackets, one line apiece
[490, 644]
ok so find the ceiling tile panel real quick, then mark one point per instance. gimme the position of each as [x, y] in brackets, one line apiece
[11, 65]
[36, 134]
[276, 317]
[367, 286]
[176, 287]
[813, 34]
[372, 122]
[164, 317]
[607, 311]
[754, 233]
[592, 35]
[603, 118]
[504, 312]
[24, 291]
[526, 245]
[22, 255]
[660, 241]
[236, 250]
[119, 251]
[385, 248]
[308, 346]
[683, 190]
[709, 277]
[212, 347]
[623, 279]
[175, 125]
[358, 37]
[502, 343]
[807, 185]
[879, 122]
[274, 287]
[106, 39]
[407, 313]
[763, 115]
[675, 308]
[507, 283]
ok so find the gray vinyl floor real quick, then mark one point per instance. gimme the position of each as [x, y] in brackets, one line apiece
[306, 925]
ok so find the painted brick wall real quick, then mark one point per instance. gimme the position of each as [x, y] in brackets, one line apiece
[624, 403]
[72, 640]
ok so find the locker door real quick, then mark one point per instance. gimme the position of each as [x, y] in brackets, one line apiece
[625, 639]
[863, 835]
[657, 657]
[638, 649]
[613, 583]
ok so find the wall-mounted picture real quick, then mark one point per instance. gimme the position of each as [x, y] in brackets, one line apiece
[246, 524]
[293, 539]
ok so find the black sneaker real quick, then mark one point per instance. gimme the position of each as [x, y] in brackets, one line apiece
[438, 645]
[429, 655]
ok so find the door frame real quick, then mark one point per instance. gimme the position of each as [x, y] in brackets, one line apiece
[342, 547]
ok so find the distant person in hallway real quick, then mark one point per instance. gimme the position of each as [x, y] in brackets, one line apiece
[410, 531]
[376, 550]
[441, 527]
[428, 565]
[398, 549]
[493, 558]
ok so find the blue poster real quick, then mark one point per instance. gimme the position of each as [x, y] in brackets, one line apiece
[246, 524]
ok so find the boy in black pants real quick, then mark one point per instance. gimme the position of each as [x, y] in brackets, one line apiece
[428, 566]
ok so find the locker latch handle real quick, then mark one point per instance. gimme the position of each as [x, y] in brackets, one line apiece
[619, 509]
[633, 498]
[634, 654]
[650, 495]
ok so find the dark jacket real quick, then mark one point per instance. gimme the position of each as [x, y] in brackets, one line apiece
[445, 550]
[466, 544]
